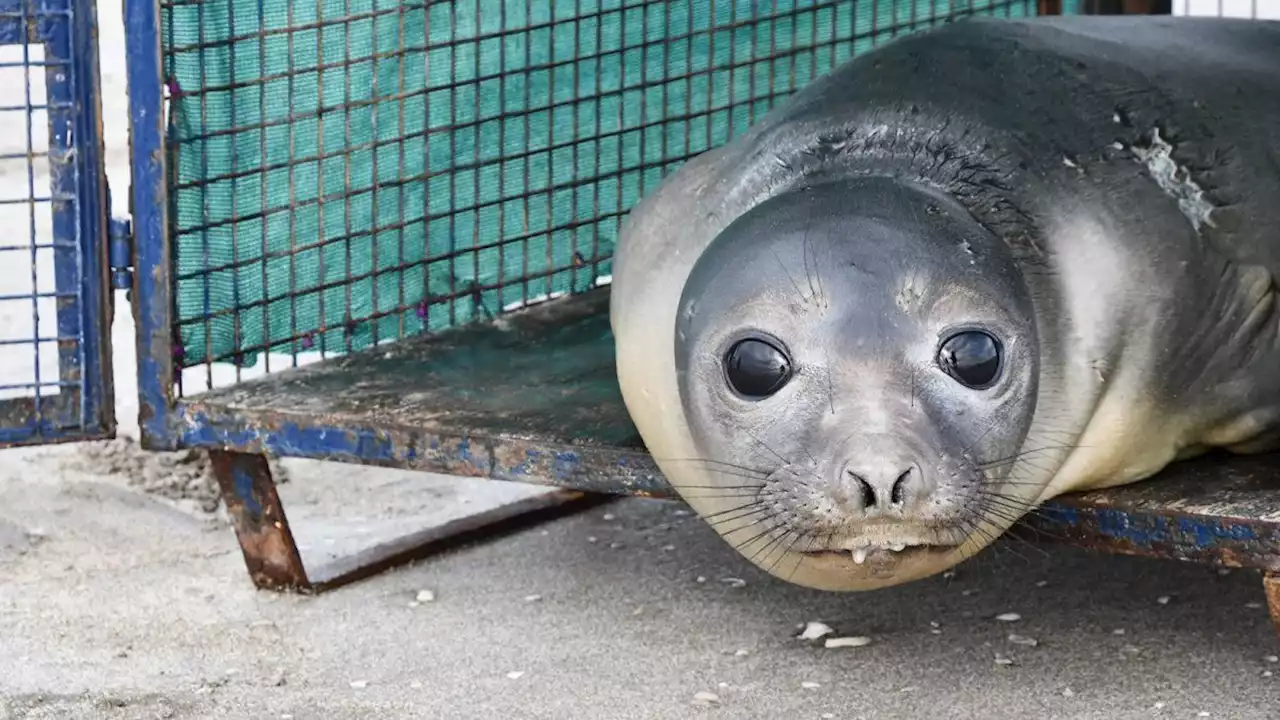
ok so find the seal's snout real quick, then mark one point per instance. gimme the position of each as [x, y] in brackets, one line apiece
[883, 492]
[884, 486]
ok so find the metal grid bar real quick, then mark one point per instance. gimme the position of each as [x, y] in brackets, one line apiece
[54, 356]
[494, 178]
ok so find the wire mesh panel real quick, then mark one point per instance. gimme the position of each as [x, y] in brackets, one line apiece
[54, 353]
[344, 172]
[1250, 9]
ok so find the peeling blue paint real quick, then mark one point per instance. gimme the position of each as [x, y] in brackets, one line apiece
[243, 483]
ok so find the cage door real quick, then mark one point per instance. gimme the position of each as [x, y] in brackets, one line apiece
[55, 301]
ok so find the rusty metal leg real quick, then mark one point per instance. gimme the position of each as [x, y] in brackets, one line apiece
[250, 494]
[1271, 583]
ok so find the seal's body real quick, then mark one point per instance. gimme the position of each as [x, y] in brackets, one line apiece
[976, 268]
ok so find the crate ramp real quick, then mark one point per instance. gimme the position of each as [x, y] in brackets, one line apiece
[55, 292]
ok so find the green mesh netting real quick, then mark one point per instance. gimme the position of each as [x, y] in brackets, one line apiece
[349, 170]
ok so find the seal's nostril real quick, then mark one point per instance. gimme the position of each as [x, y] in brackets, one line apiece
[868, 492]
[899, 492]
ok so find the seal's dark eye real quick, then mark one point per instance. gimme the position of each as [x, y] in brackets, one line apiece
[971, 357]
[756, 368]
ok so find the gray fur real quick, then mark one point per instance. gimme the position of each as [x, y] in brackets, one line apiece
[1101, 193]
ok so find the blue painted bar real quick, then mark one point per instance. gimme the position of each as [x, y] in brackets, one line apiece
[152, 271]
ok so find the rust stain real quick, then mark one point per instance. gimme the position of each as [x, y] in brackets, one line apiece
[1271, 585]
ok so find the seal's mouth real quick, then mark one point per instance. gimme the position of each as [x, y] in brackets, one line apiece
[881, 553]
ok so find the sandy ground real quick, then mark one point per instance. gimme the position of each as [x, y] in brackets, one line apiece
[124, 594]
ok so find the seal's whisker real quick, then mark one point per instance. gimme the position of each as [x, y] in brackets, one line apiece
[969, 447]
[736, 518]
[719, 513]
[776, 543]
[759, 535]
[1014, 514]
[736, 496]
[788, 550]
[709, 461]
[765, 445]
[1024, 453]
[813, 538]
[799, 293]
[762, 519]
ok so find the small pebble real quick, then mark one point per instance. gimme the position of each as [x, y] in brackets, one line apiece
[414, 604]
[1163, 599]
[907, 689]
[723, 685]
[1003, 660]
[515, 674]
[359, 684]
[1203, 713]
[532, 598]
[591, 538]
[828, 716]
[1068, 692]
[1224, 571]
[668, 548]
[734, 582]
[607, 517]
[425, 596]
[1041, 583]
[1158, 706]
[680, 513]
[1118, 631]
[968, 592]
[814, 630]
[615, 545]
[1023, 640]
[1267, 673]
[858, 641]
[807, 685]
[701, 579]
[705, 698]
[1008, 617]
[416, 685]
[1253, 605]
[1271, 658]
[949, 575]
[741, 653]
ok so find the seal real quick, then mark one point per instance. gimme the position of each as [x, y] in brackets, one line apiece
[976, 268]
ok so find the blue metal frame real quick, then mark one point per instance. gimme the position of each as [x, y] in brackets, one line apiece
[84, 409]
[152, 292]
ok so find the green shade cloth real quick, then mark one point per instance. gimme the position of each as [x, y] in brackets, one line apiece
[350, 171]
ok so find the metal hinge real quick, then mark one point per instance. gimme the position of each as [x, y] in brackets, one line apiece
[120, 253]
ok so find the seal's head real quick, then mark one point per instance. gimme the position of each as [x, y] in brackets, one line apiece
[857, 363]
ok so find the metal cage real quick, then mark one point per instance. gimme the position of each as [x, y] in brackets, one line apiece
[333, 200]
[55, 300]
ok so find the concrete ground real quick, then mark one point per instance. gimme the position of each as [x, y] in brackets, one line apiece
[123, 596]
[117, 604]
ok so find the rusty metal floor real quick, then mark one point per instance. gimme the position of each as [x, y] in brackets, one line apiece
[533, 398]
